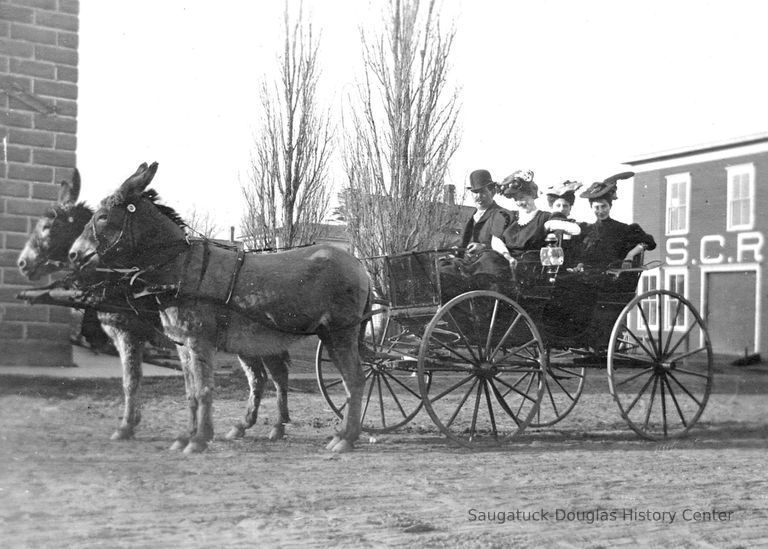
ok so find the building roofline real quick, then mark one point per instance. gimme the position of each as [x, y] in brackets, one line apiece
[714, 146]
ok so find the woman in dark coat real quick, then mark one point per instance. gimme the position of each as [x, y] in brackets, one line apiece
[527, 232]
[607, 241]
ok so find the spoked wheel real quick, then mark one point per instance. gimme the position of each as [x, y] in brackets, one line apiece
[660, 365]
[563, 386]
[487, 362]
[391, 396]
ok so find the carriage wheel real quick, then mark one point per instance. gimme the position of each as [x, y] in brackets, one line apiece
[391, 396]
[487, 362]
[563, 386]
[660, 377]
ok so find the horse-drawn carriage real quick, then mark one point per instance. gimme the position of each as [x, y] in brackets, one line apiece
[487, 364]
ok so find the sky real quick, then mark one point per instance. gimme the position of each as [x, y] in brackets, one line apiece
[569, 89]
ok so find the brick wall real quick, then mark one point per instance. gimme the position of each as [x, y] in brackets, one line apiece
[38, 129]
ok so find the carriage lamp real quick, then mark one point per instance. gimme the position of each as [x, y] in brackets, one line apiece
[551, 256]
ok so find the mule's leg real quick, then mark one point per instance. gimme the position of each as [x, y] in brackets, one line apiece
[201, 366]
[131, 350]
[278, 369]
[343, 347]
[257, 378]
[182, 440]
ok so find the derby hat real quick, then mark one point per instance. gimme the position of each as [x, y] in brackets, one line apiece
[605, 189]
[479, 180]
[519, 183]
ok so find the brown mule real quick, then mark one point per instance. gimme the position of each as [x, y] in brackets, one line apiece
[46, 251]
[264, 304]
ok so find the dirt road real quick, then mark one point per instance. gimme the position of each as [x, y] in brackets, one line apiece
[590, 482]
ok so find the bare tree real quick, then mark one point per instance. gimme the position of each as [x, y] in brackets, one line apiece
[201, 223]
[285, 195]
[402, 132]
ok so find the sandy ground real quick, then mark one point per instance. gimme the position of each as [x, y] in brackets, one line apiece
[589, 482]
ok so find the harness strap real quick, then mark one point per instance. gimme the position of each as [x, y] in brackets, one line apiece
[204, 267]
[235, 273]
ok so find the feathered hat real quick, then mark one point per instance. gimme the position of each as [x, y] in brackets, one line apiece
[519, 183]
[565, 190]
[605, 189]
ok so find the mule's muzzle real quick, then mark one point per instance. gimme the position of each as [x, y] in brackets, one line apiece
[83, 259]
[28, 263]
[23, 266]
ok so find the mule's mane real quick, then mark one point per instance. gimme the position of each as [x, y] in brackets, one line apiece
[167, 211]
[70, 209]
[121, 197]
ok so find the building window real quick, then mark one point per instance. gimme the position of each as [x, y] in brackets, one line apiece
[675, 315]
[741, 197]
[678, 203]
[649, 281]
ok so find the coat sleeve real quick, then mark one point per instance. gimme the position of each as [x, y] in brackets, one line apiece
[636, 235]
[501, 220]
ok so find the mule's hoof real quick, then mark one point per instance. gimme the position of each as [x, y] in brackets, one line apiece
[334, 441]
[235, 433]
[195, 447]
[122, 433]
[342, 446]
[276, 433]
[179, 444]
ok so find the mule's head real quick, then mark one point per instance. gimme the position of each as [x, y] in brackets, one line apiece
[47, 247]
[129, 228]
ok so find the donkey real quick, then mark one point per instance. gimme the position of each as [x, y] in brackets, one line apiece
[269, 301]
[45, 252]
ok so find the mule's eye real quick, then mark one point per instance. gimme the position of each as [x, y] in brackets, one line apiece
[131, 208]
[70, 219]
[101, 218]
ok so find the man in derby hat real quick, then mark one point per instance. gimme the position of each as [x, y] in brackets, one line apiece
[606, 240]
[480, 267]
[489, 219]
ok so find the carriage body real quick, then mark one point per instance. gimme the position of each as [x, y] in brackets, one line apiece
[518, 352]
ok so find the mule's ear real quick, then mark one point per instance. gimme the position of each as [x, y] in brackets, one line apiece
[149, 174]
[70, 191]
[75, 185]
[141, 179]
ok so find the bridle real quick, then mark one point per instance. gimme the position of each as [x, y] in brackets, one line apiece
[117, 244]
[103, 246]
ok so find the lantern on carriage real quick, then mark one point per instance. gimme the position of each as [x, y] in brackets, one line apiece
[551, 256]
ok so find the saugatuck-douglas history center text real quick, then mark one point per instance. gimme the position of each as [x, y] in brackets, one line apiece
[592, 516]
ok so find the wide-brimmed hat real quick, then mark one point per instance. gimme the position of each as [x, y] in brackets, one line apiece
[479, 180]
[519, 183]
[606, 189]
[565, 190]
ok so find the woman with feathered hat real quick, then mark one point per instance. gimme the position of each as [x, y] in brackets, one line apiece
[527, 232]
[607, 241]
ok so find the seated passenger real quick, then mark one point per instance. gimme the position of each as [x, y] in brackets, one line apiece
[489, 219]
[561, 198]
[606, 241]
[527, 231]
[480, 266]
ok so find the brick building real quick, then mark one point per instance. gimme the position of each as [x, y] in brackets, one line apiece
[38, 126]
[703, 206]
